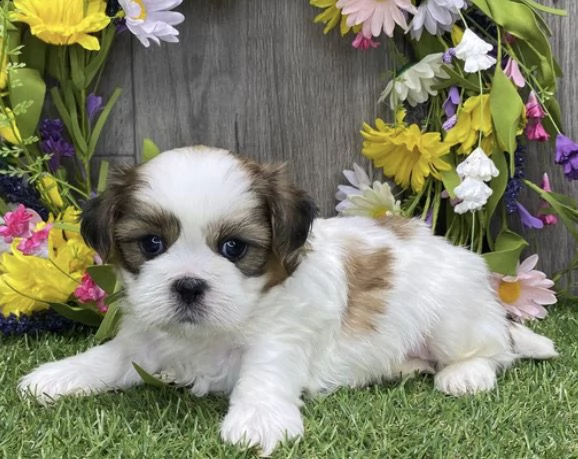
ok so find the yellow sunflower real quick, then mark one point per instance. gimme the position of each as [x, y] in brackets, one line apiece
[474, 116]
[63, 22]
[405, 153]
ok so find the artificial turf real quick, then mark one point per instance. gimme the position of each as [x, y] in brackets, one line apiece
[532, 413]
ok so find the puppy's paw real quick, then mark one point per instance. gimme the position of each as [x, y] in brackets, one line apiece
[467, 377]
[262, 424]
[52, 380]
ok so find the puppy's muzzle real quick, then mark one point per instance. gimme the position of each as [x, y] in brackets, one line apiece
[190, 290]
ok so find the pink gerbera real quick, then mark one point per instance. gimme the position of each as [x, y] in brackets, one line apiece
[524, 294]
[376, 15]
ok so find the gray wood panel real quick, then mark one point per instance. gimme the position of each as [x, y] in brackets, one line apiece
[257, 76]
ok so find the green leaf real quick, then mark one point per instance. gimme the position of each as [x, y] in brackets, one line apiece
[545, 9]
[78, 314]
[498, 185]
[507, 109]
[76, 131]
[77, 70]
[102, 120]
[66, 227]
[31, 88]
[34, 53]
[504, 259]
[97, 62]
[459, 80]
[147, 378]
[450, 180]
[149, 150]
[109, 326]
[553, 108]
[104, 276]
[102, 176]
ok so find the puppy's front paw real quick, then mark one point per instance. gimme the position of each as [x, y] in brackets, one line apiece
[262, 424]
[52, 380]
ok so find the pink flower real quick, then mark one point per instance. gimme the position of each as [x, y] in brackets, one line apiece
[512, 71]
[535, 113]
[19, 223]
[363, 43]
[376, 15]
[535, 130]
[524, 294]
[548, 219]
[88, 292]
[36, 243]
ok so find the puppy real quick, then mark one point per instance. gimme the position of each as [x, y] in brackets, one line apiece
[233, 286]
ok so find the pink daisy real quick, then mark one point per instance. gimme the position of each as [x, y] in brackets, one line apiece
[524, 294]
[376, 15]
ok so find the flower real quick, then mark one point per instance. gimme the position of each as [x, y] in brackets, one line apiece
[331, 16]
[474, 116]
[527, 219]
[474, 51]
[48, 188]
[63, 22]
[364, 43]
[515, 184]
[152, 20]
[88, 292]
[478, 166]
[373, 201]
[415, 83]
[512, 71]
[52, 142]
[376, 15]
[18, 190]
[357, 178]
[534, 114]
[451, 103]
[448, 56]
[473, 195]
[18, 223]
[548, 219]
[93, 106]
[524, 294]
[437, 16]
[37, 243]
[567, 156]
[8, 128]
[405, 153]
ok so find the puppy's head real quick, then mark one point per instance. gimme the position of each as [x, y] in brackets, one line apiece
[199, 235]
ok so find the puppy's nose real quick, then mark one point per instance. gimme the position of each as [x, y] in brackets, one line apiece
[190, 289]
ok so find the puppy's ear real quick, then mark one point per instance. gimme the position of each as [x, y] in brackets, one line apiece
[292, 213]
[100, 214]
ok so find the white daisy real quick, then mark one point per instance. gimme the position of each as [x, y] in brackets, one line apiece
[474, 51]
[362, 199]
[358, 178]
[415, 83]
[152, 20]
[436, 16]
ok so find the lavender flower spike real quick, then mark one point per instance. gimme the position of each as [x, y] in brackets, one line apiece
[93, 106]
[52, 142]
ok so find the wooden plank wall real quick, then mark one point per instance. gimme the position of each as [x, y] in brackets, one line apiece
[258, 77]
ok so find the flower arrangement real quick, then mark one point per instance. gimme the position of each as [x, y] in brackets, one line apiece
[483, 73]
[52, 56]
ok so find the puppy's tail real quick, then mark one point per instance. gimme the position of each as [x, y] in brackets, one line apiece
[529, 345]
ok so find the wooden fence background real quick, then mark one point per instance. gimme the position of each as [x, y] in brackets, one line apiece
[258, 77]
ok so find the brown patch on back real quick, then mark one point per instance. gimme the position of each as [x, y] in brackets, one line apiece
[403, 228]
[368, 281]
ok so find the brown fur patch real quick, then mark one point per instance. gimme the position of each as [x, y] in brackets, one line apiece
[403, 228]
[368, 280]
[138, 221]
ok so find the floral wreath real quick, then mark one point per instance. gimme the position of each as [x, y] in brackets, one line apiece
[459, 168]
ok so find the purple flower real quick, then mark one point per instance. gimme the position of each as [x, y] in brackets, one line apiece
[449, 55]
[451, 103]
[528, 220]
[52, 142]
[567, 156]
[93, 106]
[450, 122]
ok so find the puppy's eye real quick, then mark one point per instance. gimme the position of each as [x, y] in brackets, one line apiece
[152, 245]
[233, 249]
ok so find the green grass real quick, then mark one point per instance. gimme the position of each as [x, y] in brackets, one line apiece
[533, 413]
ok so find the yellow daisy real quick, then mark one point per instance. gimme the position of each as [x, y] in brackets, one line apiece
[63, 22]
[474, 116]
[331, 16]
[405, 153]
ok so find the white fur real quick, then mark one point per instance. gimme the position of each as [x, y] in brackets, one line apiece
[266, 349]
